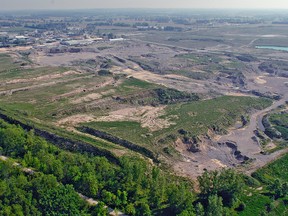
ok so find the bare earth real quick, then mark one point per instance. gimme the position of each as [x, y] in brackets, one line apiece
[212, 158]
[146, 115]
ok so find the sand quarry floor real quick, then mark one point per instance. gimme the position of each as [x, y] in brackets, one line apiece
[147, 116]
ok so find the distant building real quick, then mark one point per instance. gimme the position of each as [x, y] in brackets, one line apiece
[116, 39]
[21, 37]
[77, 42]
[3, 33]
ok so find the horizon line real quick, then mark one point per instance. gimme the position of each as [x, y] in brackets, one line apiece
[139, 8]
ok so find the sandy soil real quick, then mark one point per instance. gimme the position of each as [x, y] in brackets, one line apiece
[148, 116]
[73, 120]
[260, 80]
[45, 84]
[243, 137]
[87, 98]
[92, 96]
[211, 157]
[237, 94]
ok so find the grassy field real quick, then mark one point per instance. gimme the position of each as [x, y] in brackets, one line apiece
[128, 130]
[132, 85]
[257, 204]
[7, 64]
[260, 199]
[280, 122]
[276, 170]
[49, 95]
[221, 112]
[52, 95]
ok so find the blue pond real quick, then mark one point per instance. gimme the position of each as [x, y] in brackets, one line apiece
[273, 48]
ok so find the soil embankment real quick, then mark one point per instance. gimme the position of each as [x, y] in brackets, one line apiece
[62, 142]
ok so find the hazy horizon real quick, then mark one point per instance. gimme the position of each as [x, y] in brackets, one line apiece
[148, 4]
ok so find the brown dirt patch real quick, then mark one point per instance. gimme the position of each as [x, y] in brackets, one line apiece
[238, 94]
[87, 98]
[210, 157]
[260, 80]
[73, 120]
[148, 116]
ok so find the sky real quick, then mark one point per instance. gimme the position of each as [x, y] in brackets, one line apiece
[90, 4]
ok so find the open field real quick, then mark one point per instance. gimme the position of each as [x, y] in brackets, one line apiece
[138, 109]
[150, 112]
[194, 119]
[194, 97]
[274, 170]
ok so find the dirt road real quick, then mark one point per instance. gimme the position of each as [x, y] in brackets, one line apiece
[243, 136]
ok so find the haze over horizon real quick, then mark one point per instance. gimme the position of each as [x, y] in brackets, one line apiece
[193, 4]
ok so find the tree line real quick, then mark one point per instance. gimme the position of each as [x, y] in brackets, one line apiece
[133, 186]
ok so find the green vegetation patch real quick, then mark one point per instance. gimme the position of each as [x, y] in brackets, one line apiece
[275, 170]
[132, 83]
[280, 122]
[255, 204]
[205, 59]
[15, 72]
[216, 114]
[133, 186]
[23, 194]
[7, 63]
[129, 130]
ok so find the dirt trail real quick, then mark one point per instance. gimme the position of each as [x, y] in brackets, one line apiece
[24, 169]
[111, 211]
[42, 78]
[243, 136]
[12, 91]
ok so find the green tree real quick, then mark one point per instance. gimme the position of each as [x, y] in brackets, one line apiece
[130, 209]
[278, 189]
[60, 200]
[100, 210]
[227, 184]
[199, 209]
[215, 206]
[89, 184]
[143, 209]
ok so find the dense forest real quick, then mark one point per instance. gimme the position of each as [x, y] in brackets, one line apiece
[55, 177]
